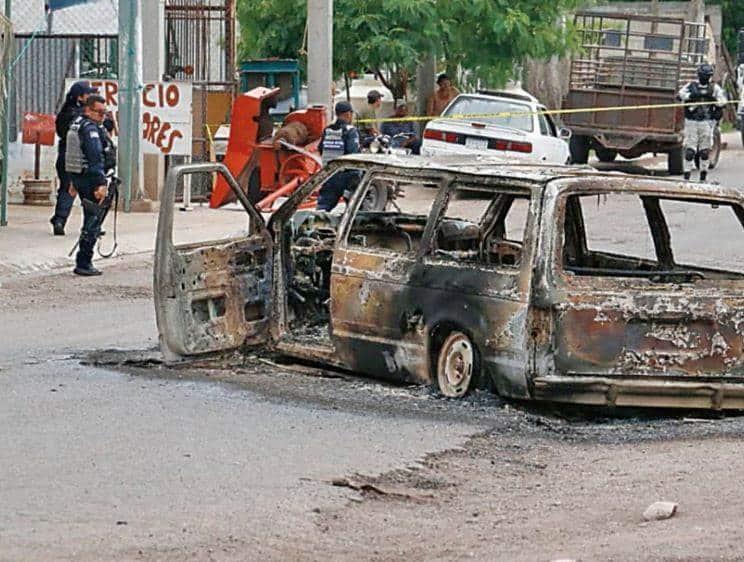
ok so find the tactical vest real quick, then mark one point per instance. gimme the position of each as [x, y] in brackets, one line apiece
[702, 112]
[75, 161]
[333, 143]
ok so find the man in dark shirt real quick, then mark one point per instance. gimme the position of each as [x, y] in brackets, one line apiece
[72, 109]
[393, 128]
[338, 139]
[86, 162]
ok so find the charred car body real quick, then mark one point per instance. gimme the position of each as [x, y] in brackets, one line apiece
[548, 283]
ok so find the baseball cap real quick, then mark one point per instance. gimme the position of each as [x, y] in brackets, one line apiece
[82, 88]
[373, 96]
[343, 107]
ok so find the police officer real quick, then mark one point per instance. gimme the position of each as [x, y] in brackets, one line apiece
[71, 109]
[338, 139]
[86, 161]
[701, 120]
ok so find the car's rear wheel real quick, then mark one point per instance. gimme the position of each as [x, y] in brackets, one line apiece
[579, 147]
[457, 364]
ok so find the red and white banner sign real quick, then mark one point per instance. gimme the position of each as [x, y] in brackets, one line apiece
[165, 112]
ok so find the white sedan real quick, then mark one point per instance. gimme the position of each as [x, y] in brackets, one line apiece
[524, 134]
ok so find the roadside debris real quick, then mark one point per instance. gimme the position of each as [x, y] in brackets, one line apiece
[366, 488]
[659, 511]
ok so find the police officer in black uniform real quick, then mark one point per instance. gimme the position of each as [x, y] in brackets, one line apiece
[71, 110]
[338, 139]
[90, 153]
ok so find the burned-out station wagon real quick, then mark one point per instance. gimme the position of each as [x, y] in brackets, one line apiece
[549, 283]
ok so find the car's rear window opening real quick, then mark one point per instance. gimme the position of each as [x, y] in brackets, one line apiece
[633, 235]
[515, 115]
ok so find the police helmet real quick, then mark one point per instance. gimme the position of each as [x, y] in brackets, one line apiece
[705, 73]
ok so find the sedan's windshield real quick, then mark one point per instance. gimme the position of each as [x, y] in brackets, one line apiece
[520, 117]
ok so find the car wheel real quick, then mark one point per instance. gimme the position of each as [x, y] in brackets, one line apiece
[675, 164]
[376, 198]
[579, 147]
[606, 155]
[456, 365]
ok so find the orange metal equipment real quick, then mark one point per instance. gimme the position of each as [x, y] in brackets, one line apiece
[265, 169]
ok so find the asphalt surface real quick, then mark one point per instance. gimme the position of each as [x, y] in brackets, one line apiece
[109, 455]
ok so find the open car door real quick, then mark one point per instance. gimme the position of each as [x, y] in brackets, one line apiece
[211, 296]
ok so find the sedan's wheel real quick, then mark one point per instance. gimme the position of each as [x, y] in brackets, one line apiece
[456, 365]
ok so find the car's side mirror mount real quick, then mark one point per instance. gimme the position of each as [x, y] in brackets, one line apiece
[564, 133]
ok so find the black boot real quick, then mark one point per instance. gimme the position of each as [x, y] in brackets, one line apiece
[687, 176]
[88, 271]
[703, 175]
[58, 226]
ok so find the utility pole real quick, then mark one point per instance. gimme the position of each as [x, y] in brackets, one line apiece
[319, 52]
[130, 81]
[6, 130]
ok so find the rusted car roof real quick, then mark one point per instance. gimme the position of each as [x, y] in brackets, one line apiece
[490, 166]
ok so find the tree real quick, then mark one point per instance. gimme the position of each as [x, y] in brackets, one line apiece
[390, 37]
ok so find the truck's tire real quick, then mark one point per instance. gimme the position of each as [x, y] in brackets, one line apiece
[675, 164]
[579, 148]
[606, 155]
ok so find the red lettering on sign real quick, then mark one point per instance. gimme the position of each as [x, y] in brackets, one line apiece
[172, 95]
[145, 101]
[173, 138]
[110, 91]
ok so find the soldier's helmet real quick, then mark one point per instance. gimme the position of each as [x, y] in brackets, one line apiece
[705, 73]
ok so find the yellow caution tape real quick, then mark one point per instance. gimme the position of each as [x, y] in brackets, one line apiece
[466, 116]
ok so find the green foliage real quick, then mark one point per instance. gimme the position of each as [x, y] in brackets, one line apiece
[390, 36]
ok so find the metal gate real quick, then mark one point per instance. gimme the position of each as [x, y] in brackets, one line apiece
[200, 46]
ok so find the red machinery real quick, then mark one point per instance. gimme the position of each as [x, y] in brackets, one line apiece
[267, 168]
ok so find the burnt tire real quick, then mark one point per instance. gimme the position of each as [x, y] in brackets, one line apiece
[675, 161]
[606, 155]
[457, 365]
[578, 145]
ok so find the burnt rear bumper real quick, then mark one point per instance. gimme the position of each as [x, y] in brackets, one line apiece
[640, 392]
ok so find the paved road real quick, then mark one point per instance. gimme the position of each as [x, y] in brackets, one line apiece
[101, 465]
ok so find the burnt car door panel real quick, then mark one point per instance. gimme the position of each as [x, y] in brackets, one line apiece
[476, 277]
[628, 306]
[211, 296]
[377, 324]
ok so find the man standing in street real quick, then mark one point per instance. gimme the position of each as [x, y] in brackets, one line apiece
[71, 109]
[443, 95]
[701, 120]
[338, 139]
[86, 162]
[371, 115]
